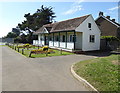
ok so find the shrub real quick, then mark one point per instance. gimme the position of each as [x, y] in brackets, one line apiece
[110, 38]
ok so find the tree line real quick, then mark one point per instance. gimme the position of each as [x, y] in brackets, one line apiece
[23, 32]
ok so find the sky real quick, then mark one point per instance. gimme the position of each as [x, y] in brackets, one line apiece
[12, 13]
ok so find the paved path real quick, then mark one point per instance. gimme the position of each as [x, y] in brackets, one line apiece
[39, 74]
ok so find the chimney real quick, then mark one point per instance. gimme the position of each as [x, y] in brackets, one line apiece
[100, 13]
[108, 17]
[113, 20]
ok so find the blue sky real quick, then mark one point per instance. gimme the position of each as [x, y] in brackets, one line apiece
[12, 13]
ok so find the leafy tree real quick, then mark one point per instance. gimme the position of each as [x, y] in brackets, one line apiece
[17, 39]
[16, 31]
[41, 17]
[33, 22]
[11, 35]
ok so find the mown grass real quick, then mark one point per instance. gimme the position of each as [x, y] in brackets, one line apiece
[2, 45]
[102, 73]
[56, 53]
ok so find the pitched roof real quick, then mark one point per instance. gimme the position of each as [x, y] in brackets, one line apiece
[115, 23]
[67, 25]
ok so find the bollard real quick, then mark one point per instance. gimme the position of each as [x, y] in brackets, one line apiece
[22, 51]
[46, 53]
[18, 49]
[15, 47]
[30, 54]
[61, 51]
[27, 48]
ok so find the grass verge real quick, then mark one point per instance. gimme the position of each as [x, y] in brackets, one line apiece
[2, 45]
[102, 73]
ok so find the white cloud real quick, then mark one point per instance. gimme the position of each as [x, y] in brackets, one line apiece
[114, 8]
[73, 10]
[76, 6]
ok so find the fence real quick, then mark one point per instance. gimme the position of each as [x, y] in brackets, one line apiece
[113, 45]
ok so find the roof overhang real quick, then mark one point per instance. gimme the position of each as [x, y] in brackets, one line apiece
[42, 30]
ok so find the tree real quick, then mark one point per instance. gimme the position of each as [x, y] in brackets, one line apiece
[11, 35]
[16, 31]
[33, 22]
[42, 16]
[17, 39]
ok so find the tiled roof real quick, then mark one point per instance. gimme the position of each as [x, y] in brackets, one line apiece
[115, 23]
[67, 25]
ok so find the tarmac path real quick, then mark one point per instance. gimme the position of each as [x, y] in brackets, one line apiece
[20, 73]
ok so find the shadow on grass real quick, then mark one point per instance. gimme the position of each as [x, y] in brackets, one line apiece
[102, 53]
[31, 57]
[97, 53]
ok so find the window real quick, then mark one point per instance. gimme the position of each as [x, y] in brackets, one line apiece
[92, 38]
[63, 38]
[56, 38]
[72, 38]
[50, 38]
[89, 25]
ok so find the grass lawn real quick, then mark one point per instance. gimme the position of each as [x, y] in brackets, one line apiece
[102, 73]
[57, 53]
[2, 45]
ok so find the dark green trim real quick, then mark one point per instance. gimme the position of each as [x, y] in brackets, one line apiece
[74, 39]
[66, 39]
[53, 39]
[59, 39]
[48, 38]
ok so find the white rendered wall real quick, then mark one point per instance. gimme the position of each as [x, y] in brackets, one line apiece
[86, 45]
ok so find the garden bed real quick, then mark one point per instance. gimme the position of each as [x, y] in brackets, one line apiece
[27, 50]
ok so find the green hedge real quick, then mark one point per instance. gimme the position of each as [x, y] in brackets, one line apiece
[110, 38]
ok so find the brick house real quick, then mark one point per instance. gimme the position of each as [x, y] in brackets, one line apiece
[108, 26]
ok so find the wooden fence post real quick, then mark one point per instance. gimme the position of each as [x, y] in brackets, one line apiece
[22, 51]
[27, 48]
[18, 49]
[15, 47]
[61, 51]
[30, 54]
[46, 53]
[38, 47]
